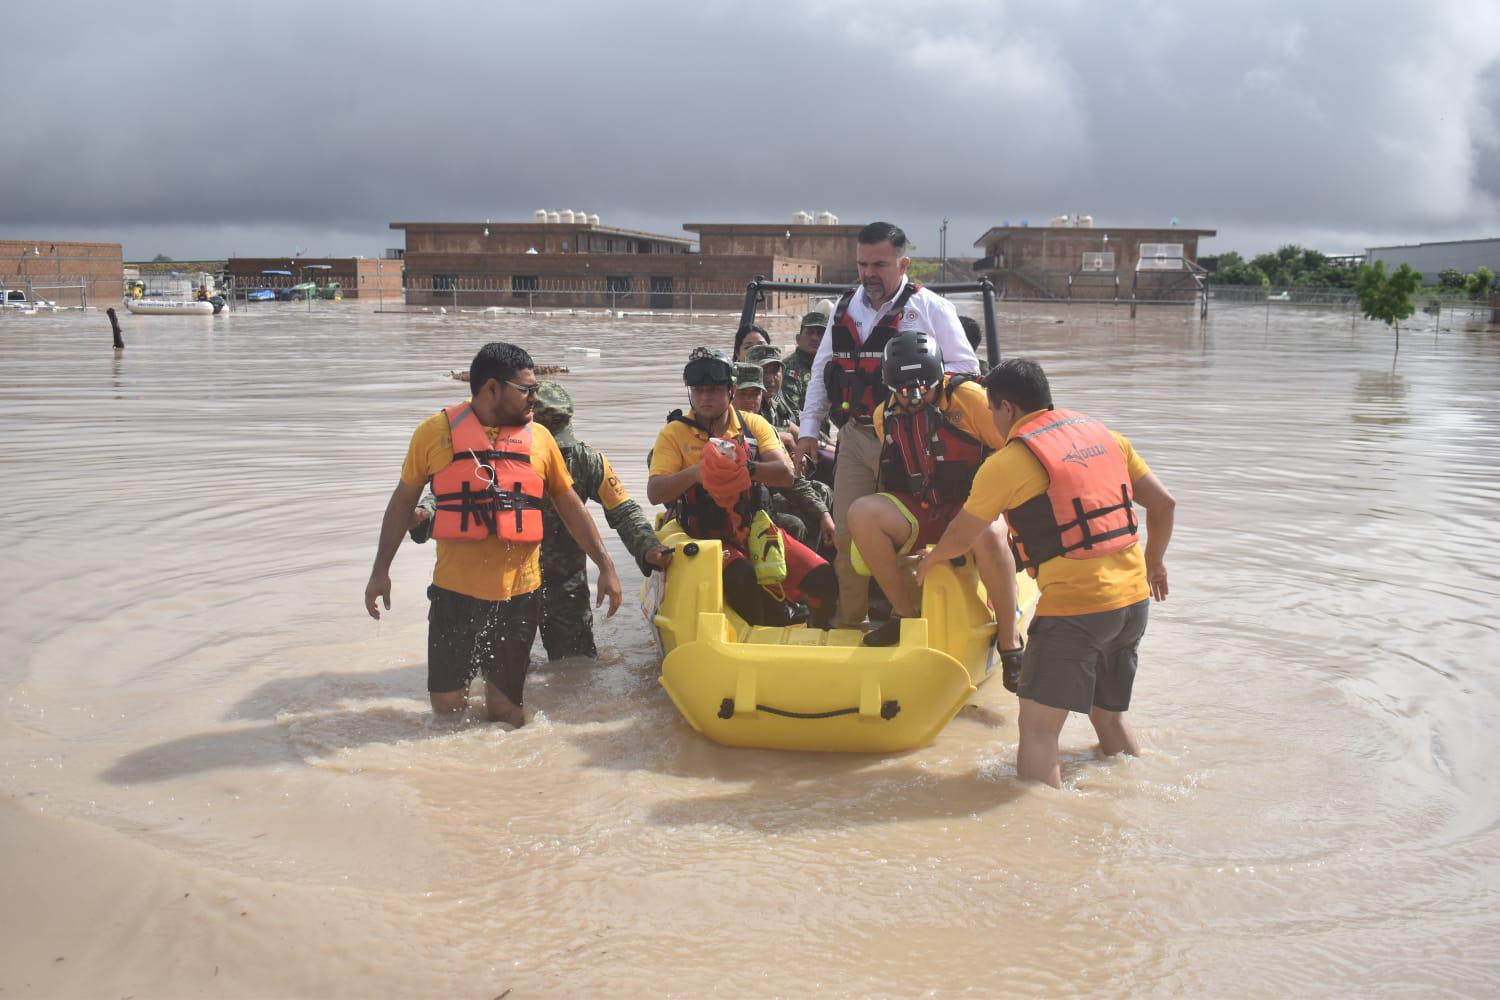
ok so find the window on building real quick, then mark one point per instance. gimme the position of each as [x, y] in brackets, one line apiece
[521, 284]
[444, 282]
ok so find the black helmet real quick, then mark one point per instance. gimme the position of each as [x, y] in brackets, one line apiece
[707, 367]
[911, 358]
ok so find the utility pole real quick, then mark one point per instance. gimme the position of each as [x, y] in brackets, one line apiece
[943, 251]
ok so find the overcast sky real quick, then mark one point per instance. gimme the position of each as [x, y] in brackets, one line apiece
[199, 130]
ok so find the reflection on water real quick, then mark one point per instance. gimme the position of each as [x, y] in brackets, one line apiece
[195, 700]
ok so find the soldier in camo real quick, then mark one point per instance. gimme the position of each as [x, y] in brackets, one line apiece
[801, 509]
[567, 619]
[797, 365]
[779, 413]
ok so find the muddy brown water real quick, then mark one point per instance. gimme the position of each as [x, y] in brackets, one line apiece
[219, 777]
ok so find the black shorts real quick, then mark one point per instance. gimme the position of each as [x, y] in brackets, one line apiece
[467, 636]
[1081, 662]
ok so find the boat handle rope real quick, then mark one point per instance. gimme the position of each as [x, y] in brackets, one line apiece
[888, 710]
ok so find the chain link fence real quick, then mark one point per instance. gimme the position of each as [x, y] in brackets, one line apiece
[630, 295]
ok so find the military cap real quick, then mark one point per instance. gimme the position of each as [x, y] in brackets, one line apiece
[554, 410]
[815, 319]
[748, 376]
[764, 354]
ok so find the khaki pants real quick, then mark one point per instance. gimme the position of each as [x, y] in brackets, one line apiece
[857, 474]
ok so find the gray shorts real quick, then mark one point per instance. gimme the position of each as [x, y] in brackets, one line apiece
[1081, 662]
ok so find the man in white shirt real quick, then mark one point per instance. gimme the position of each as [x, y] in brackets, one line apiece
[884, 304]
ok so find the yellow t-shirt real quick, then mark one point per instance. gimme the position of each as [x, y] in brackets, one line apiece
[488, 569]
[679, 446]
[969, 409]
[1009, 478]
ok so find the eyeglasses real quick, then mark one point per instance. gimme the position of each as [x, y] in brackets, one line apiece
[529, 391]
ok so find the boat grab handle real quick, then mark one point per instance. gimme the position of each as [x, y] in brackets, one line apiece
[888, 710]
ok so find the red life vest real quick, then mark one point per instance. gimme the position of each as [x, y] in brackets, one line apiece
[852, 374]
[1086, 511]
[700, 515]
[926, 460]
[488, 489]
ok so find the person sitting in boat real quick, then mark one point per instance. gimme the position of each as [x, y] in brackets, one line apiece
[202, 294]
[803, 508]
[785, 414]
[774, 406]
[747, 337]
[711, 468]
[935, 431]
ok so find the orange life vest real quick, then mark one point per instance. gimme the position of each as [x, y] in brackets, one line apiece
[1086, 511]
[852, 374]
[700, 515]
[488, 489]
[926, 460]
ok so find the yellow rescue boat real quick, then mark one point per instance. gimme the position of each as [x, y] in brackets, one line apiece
[796, 688]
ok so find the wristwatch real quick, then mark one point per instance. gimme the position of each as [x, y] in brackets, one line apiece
[751, 465]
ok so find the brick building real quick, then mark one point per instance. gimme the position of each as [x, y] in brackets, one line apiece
[70, 274]
[832, 246]
[582, 265]
[358, 277]
[1091, 263]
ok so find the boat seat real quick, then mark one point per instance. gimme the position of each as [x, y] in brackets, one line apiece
[798, 635]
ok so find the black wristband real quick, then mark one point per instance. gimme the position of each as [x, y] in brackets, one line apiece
[751, 465]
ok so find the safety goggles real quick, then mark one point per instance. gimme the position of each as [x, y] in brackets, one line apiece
[708, 371]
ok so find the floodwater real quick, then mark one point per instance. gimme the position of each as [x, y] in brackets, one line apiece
[219, 777]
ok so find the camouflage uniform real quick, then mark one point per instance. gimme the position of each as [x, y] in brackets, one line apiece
[796, 370]
[567, 624]
[797, 509]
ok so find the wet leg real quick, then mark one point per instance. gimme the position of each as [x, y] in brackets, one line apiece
[501, 708]
[1036, 757]
[449, 702]
[879, 529]
[1115, 734]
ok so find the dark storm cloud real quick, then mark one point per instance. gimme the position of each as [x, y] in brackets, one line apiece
[303, 126]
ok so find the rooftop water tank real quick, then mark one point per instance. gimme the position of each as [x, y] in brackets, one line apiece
[827, 219]
[802, 218]
[540, 215]
[1059, 221]
[582, 218]
[1083, 221]
[554, 218]
[567, 216]
[593, 218]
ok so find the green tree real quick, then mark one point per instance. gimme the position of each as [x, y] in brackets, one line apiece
[1451, 280]
[1387, 297]
[1230, 269]
[1478, 284]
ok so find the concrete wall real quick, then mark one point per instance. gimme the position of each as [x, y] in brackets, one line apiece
[1037, 262]
[33, 265]
[716, 283]
[1432, 259]
[833, 247]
